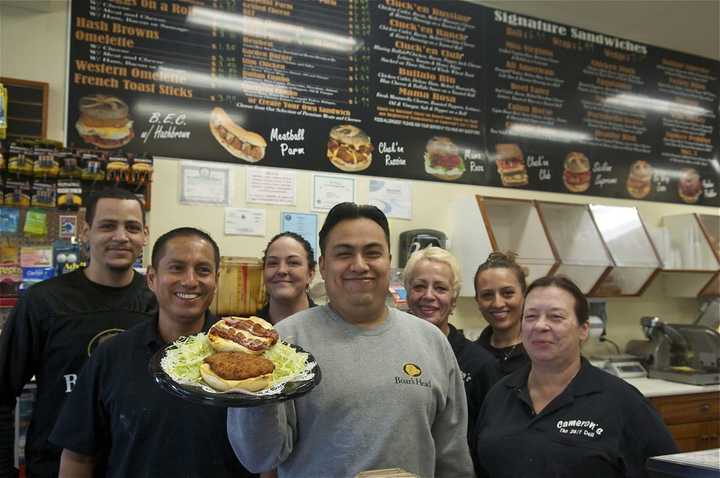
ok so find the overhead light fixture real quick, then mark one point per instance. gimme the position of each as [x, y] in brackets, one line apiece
[273, 30]
[547, 133]
[641, 102]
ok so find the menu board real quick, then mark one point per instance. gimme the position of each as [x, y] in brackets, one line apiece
[428, 90]
[580, 112]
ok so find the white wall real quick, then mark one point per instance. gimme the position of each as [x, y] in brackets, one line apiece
[33, 46]
[430, 209]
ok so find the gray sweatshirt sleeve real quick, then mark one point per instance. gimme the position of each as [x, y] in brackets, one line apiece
[262, 437]
[450, 427]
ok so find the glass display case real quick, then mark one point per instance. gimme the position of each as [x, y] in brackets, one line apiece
[711, 228]
[626, 238]
[515, 225]
[577, 243]
[689, 261]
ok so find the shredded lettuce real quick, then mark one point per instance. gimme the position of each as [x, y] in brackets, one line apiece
[183, 359]
[288, 361]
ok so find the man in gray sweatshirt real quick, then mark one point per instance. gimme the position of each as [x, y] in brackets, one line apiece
[391, 393]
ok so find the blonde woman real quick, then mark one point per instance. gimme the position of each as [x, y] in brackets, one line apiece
[432, 281]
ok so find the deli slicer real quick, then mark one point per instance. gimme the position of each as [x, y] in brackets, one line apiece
[681, 353]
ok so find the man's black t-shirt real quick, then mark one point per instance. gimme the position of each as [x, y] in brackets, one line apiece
[120, 415]
[51, 333]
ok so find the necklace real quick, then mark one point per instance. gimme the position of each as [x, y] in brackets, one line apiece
[507, 354]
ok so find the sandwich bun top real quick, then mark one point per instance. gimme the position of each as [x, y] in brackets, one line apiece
[218, 117]
[441, 145]
[349, 134]
[689, 177]
[251, 335]
[102, 107]
[508, 151]
[577, 162]
[641, 170]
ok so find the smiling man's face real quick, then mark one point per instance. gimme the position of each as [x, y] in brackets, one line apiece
[117, 234]
[356, 269]
[185, 279]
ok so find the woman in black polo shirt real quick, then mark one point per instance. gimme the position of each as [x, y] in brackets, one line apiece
[288, 269]
[560, 416]
[499, 290]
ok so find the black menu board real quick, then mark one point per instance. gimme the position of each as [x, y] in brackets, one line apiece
[430, 90]
[580, 112]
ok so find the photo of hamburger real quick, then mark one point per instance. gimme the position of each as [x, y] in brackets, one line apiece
[639, 180]
[689, 186]
[104, 121]
[225, 371]
[251, 335]
[442, 159]
[349, 148]
[510, 164]
[238, 141]
[577, 174]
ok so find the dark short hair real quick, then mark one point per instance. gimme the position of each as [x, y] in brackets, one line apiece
[159, 246]
[350, 210]
[502, 260]
[310, 255]
[110, 193]
[582, 311]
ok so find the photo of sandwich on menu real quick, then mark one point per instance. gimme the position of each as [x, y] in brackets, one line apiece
[238, 141]
[349, 148]
[577, 174]
[639, 180]
[510, 164]
[689, 187]
[443, 160]
[104, 121]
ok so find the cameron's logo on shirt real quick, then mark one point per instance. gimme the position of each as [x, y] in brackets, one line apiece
[586, 428]
[100, 338]
[413, 371]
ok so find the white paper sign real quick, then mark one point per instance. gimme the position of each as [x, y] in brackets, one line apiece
[245, 222]
[271, 186]
[205, 183]
[331, 190]
[394, 198]
[303, 224]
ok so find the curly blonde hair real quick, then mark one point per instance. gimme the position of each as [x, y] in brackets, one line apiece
[434, 254]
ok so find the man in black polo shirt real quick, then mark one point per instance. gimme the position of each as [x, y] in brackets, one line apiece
[58, 323]
[118, 419]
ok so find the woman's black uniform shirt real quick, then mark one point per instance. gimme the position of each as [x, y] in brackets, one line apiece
[599, 426]
[471, 358]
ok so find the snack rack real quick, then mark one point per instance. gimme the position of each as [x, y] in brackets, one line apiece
[43, 189]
